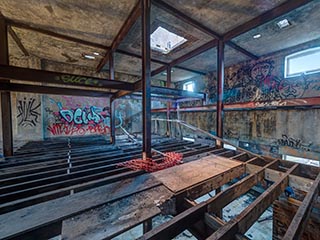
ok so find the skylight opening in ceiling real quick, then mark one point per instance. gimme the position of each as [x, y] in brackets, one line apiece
[165, 41]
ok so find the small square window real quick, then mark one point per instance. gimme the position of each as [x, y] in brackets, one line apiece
[189, 86]
[303, 62]
[165, 41]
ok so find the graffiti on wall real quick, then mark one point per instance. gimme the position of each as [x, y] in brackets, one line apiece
[294, 143]
[259, 82]
[28, 112]
[75, 120]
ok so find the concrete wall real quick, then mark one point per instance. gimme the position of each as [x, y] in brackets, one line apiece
[272, 132]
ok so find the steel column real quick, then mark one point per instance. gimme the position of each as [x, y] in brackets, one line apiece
[111, 66]
[220, 72]
[7, 139]
[146, 78]
[112, 122]
[168, 84]
[112, 110]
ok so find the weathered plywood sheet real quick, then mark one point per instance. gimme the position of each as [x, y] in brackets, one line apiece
[186, 175]
[39, 215]
[110, 220]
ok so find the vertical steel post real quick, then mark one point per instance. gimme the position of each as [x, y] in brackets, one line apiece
[146, 78]
[111, 66]
[220, 72]
[112, 110]
[7, 138]
[168, 84]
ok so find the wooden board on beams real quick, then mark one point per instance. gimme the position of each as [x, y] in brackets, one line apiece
[187, 175]
[110, 220]
[44, 214]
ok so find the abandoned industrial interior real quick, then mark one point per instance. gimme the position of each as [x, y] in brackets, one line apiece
[159, 119]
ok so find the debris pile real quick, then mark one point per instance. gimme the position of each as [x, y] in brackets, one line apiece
[170, 159]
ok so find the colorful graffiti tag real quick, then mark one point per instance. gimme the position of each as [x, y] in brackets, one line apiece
[76, 120]
[73, 129]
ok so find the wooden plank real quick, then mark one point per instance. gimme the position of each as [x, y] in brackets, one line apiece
[184, 176]
[301, 217]
[246, 218]
[43, 214]
[297, 182]
[111, 220]
[283, 213]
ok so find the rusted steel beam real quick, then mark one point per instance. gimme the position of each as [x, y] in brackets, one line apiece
[6, 116]
[111, 66]
[54, 34]
[242, 50]
[168, 84]
[15, 87]
[264, 18]
[27, 74]
[158, 61]
[220, 85]
[146, 78]
[130, 21]
[300, 220]
[285, 103]
[17, 41]
[180, 15]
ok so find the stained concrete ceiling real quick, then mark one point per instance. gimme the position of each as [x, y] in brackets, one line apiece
[99, 21]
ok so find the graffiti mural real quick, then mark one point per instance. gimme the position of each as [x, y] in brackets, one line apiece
[264, 81]
[68, 118]
[28, 112]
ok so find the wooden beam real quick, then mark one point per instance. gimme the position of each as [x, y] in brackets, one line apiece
[54, 34]
[300, 220]
[264, 18]
[247, 217]
[27, 74]
[192, 215]
[130, 21]
[15, 87]
[6, 116]
[18, 41]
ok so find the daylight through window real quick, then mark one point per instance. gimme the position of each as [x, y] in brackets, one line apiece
[189, 86]
[165, 41]
[303, 62]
